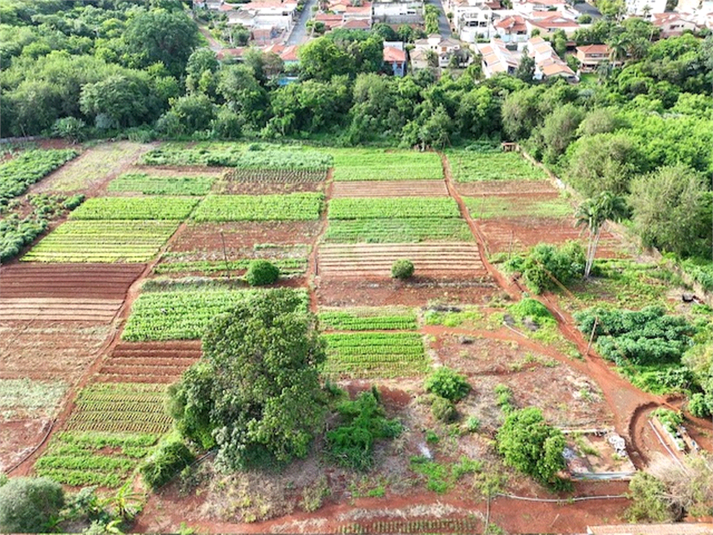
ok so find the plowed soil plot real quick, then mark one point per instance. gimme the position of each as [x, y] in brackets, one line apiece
[59, 309]
[44, 350]
[417, 292]
[207, 236]
[149, 362]
[17, 438]
[404, 188]
[95, 281]
[375, 260]
[504, 235]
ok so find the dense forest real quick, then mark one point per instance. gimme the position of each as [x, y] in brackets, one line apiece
[138, 69]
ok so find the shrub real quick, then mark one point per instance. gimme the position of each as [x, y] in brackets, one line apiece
[698, 406]
[402, 269]
[170, 458]
[447, 383]
[443, 410]
[545, 264]
[530, 308]
[472, 424]
[27, 505]
[504, 398]
[262, 273]
[649, 503]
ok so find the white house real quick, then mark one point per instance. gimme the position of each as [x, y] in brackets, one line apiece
[645, 7]
[398, 12]
[471, 19]
[511, 29]
[497, 58]
[443, 48]
[547, 63]
[265, 15]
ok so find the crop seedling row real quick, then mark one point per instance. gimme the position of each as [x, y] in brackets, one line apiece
[131, 208]
[27, 168]
[397, 230]
[393, 207]
[293, 207]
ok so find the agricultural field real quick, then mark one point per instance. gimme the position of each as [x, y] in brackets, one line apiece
[372, 355]
[22, 399]
[492, 207]
[29, 167]
[200, 154]
[292, 207]
[180, 314]
[289, 267]
[398, 230]
[379, 164]
[135, 208]
[149, 362]
[286, 175]
[368, 319]
[79, 459]
[93, 167]
[393, 188]
[475, 166]
[161, 185]
[393, 207]
[103, 241]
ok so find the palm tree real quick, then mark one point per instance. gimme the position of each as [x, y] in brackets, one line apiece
[617, 49]
[593, 213]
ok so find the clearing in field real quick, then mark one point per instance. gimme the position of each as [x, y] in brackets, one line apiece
[398, 230]
[81, 459]
[59, 309]
[380, 164]
[396, 188]
[473, 166]
[135, 208]
[149, 362]
[368, 319]
[493, 206]
[295, 206]
[22, 399]
[430, 259]
[393, 207]
[103, 241]
[372, 355]
[161, 185]
[93, 167]
[181, 314]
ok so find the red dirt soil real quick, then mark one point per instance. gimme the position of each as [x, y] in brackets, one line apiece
[395, 188]
[506, 187]
[149, 362]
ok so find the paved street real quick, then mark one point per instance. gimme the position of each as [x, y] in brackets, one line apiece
[444, 27]
[299, 33]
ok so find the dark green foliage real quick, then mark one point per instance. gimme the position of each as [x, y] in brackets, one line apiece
[402, 269]
[27, 505]
[545, 265]
[700, 405]
[443, 410]
[530, 308]
[362, 423]
[257, 390]
[29, 167]
[262, 273]
[448, 384]
[648, 336]
[533, 447]
[170, 458]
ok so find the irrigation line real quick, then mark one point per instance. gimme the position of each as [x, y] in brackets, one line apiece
[563, 500]
[663, 443]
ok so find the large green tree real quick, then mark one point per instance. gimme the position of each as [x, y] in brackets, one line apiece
[257, 388]
[28, 505]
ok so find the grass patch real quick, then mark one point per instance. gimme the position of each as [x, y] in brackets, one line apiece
[442, 477]
[454, 316]
[293, 207]
[397, 230]
[475, 166]
[507, 206]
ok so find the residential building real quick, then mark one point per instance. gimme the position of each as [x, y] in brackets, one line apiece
[395, 57]
[645, 7]
[419, 59]
[288, 54]
[273, 15]
[497, 58]
[591, 56]
[549, 24]
[471, 19]
[672, 24]
[528, 8]
[547, 63]
[343, 14]
[398, 11]
[443, 48]
[511, 29]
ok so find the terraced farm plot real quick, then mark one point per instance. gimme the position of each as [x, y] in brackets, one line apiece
[292, 207]
[378, 164]
[288, 266]
[31, 166]
[398, 230]
[103, 241]
[275, 175]
[49, 351]
[97, 281]
[510, 206]
[401, 188]
[180, 314]
[473, 166]
[120, 408]
[438, 260]
[508, 187]
[149, 362]
[161, 185]
[394, 207]
[375, 355]
[26, 399]
[135, 208]
[59, 309]
[368, 319]
[93, 167]
[80, 459]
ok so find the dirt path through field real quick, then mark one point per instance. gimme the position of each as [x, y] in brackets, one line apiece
[312, 265]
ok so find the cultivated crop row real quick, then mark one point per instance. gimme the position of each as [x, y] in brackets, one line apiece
[27, 168]
[474, 166]
[161, 185]
[281, 158]
[397, 230]
[135, 208]
[293, 207]
[426, 525]
[276, 175]
[178, 154]
[393, 207]
[493, 206]
[103, 241]
[376, 164]
[76, 459]
[180, 314]
[370, 355]
[287, 266]
[368, 319]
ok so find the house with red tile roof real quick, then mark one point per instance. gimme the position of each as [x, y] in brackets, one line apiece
[673, 24]
[549, 24]
[511, 29]
[395, 58]
[591, 56]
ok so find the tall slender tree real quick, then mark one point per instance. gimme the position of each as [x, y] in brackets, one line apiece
[593, 213]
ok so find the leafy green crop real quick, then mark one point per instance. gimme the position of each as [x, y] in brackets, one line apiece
[378, 164]
[492, 206]
[293, 207]
[397, 230]
[393, 207]
[27, 168]
[474, 166]
[368, 319]
[130, 208]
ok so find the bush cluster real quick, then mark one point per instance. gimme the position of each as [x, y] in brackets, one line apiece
[168, 460]
[546, 264]
[262, 273]
[402, 269]
[448, 387]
